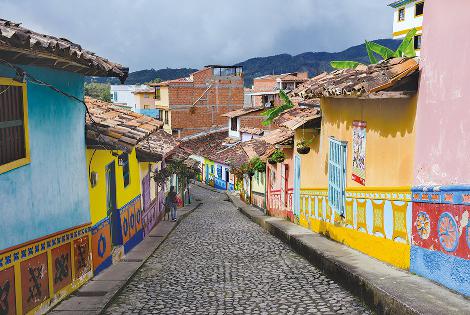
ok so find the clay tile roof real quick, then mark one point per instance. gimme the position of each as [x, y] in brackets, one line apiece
[243, 111]
[205, 144]
[362, 81]
[243, 152]
[253, 131]
[116, 127]
[23, 46]
[157, 146]
[296, 117]
[278, 136]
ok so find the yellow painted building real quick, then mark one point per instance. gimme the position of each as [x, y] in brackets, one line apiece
[115, 203]
[162, 103]
[374, 213]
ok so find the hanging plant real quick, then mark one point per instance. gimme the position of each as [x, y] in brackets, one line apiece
[258, 165]
[278, 156]
[303, 146]
[246, 168]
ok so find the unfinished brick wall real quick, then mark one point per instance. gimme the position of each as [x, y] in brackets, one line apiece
[213, 96]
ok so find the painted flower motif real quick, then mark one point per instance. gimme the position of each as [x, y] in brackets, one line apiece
[448, 232]
[423, 225]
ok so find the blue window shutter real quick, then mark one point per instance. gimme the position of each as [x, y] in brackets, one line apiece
[337, 159]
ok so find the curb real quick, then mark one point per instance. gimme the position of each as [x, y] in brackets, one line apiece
[384, 289]
[111, 294]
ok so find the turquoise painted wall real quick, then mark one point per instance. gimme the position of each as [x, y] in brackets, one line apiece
[49, 194]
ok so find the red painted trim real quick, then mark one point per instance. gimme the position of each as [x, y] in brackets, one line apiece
[275, 191]
[37, 240]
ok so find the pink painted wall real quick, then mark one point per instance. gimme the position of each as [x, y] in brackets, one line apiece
[443, 117]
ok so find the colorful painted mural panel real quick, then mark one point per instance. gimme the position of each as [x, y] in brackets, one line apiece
[359, 152]
[7, 292]
[101, 245]
[34, 281]
[61, 266]
[82, 257]
[442, 227]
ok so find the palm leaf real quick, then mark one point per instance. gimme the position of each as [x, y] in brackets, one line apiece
[370, 53]
[406, 48]
[383, 51]
[344, 64]
[272, 113]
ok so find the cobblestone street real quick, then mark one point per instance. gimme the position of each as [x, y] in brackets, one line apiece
[218, 262]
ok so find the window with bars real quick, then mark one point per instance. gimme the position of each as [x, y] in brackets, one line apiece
[124, 161]
[337, 158]
[14, 147]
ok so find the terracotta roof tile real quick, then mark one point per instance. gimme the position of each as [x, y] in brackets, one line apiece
[53, 52]
[117, 127]
[362, 81]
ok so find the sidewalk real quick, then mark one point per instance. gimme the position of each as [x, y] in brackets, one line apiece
[385, 289]
[93, 297]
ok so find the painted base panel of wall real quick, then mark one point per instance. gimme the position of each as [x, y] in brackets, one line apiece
[37, 275]
[450, 271]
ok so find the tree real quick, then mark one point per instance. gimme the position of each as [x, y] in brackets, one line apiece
[406, 49]
[101, 91]
[156, 80]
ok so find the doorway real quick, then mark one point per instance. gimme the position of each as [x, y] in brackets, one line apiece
[111, 206]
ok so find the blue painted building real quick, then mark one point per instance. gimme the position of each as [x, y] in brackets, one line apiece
[43, 170]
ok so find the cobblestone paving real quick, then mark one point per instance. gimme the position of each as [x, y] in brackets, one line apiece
[219, 262]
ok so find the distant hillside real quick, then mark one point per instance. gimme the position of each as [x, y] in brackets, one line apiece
[143, 76]
[313, 62]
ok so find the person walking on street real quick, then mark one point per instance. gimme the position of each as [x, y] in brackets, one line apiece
[170, 202]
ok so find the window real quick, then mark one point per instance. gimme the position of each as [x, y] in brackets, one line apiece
[124, 162]
[166, 117]
[14, 146]
[115, 98]
[157, 93]
[419, 9]
[212, 169]
[233, 124]
[337, 158]
[401, 14]
[146, 96]
[417, 42]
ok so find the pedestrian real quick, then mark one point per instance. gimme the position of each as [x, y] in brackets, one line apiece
[171, 202]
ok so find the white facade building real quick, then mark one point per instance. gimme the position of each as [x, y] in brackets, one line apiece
[408, 15]
[124, 95]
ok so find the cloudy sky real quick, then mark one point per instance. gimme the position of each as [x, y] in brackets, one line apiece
[144, 34]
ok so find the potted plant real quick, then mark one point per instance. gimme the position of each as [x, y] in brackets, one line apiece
[246, 168]
[303, 146]
[278, 156]
[258, 165]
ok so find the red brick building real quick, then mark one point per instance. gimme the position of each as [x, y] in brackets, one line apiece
[193, 104]
[266, 88]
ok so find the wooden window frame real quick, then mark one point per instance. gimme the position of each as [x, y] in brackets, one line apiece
[404, 14]
[416, 6]
[27, 159]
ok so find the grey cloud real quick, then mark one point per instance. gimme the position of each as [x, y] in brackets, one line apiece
[191, 33]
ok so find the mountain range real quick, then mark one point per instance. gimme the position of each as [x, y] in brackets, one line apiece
[312, 62]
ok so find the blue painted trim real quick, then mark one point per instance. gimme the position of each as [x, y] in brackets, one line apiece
[450, 194]
[136, 239]
[105, 264]
[400, 3]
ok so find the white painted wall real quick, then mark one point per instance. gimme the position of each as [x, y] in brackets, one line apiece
[410, 20]
[123, 94]
[234, 134]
